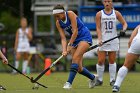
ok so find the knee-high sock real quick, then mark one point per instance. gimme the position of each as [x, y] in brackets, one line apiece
[86, 73]
[100, 71]
[121, 75]
[16, 65]
[73, 72]
[112, 71]
[24, 66]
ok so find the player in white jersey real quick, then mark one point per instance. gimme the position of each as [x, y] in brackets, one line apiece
[23, 36]
[106, 29]
[130, 59]
[5, 61]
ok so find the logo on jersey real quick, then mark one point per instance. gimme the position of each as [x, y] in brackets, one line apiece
[68, 28]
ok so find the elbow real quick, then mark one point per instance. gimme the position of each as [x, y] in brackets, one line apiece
[125, 25]
[75, 32]
[63, 39]
[30, 39]
[129, 43]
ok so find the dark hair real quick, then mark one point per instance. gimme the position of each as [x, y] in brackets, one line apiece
[58, 7]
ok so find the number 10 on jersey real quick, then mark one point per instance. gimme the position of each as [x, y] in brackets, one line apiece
[108, 25]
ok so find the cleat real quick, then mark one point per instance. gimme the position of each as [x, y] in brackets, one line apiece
[93, 82]
[67, 85]
[115, 89]
[112, 82]
[14, 73]
[98, 83]
[2, 88]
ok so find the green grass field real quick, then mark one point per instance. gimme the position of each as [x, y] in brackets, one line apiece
[19, 84]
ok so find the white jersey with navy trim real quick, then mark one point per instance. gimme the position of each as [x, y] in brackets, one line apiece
[135, 45]
[108, 30]
[23, 41]
[108, 25]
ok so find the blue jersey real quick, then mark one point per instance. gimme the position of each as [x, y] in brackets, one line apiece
[83, 31]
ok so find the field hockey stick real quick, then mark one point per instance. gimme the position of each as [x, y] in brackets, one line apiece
[92, 47]
[25, 75]
[95, 46]
[43, 72]
[138, 62]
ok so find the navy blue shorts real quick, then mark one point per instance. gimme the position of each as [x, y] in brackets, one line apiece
[86, 36]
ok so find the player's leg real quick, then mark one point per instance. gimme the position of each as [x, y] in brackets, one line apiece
[129, 62]
[25, 62]
[17, 59]
[68, 85]
[83, 71]
[112, 66]
[100, 67]
[76, 59]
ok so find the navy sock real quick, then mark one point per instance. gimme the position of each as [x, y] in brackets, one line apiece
[73, 72]
[86, 73]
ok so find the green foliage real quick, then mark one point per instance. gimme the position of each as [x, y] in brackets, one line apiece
[11, 23]
[44, 23]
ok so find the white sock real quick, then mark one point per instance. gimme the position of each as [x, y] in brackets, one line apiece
[121, 75]
[16, 65]
[100, 71]
[112, 71]
[24, 66]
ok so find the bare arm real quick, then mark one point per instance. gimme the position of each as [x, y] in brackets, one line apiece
[1, 55]
[16, 40]
[134, 33]
[121, 20]
[63, 37]
[72, 17]
[4, 59]
[29, 34]
[98, 27]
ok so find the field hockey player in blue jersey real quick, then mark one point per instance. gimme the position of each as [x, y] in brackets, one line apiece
[78, 44]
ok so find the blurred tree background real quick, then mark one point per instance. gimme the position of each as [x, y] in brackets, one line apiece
[10, 13]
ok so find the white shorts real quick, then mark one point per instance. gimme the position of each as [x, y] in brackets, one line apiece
[109, 47]
[23, 48]
[135, 47]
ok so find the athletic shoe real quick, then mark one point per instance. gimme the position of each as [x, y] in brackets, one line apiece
[115, 89]
[98, 83]
[93, 82]
[112, 82]
[14, 73]
[67, 85]
[2, 88]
